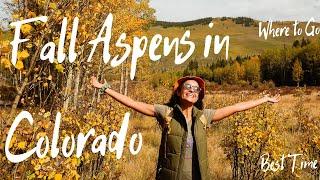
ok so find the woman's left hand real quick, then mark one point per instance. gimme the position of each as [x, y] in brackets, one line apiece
[273, 99]
[95, 83]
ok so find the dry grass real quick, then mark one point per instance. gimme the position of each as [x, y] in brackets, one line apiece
[218, 164]
[142, 166]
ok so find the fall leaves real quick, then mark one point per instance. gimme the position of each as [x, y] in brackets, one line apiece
[4, 50]
[26, 29]
[21, 55]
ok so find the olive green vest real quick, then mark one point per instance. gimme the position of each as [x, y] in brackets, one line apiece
[173, 144]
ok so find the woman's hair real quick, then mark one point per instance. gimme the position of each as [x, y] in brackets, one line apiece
[175, 99]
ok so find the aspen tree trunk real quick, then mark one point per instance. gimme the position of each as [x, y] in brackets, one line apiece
[78, 73]
[83, 82]
[76, 87]
[121, 78]
[77, 80]
[126, 81]
[67, 92]
[98, 76]
[101, 79]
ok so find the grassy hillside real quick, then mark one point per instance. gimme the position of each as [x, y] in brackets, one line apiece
[244, 40]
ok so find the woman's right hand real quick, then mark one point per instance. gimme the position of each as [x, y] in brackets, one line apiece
[95, 83]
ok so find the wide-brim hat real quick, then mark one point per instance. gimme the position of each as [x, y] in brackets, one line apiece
[199, 80]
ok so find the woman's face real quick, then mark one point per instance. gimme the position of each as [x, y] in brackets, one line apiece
[189, 92]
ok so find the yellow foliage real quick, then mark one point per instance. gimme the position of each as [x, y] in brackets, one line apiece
[254, 131]
[74, 161]
[52, 175]
[5, 43]
[22, 145]
[5, 46]
[19, 65]
[26, 29]
[29, 45]
[16, 16]
[6, 62]
[44, 160]
[12, 141]
[74, 174]
[37, 167]
[31, 14]
[23, 54]
[58, 177]
[53, 6]
[45, 85]
[41, 134]
[47, 114]
[59, 68]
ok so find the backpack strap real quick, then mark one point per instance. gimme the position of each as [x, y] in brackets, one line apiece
[167, 120]
[166, 128]
[204, 121]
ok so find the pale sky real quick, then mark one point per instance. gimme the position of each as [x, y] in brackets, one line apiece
[3, 13]
[185, 10]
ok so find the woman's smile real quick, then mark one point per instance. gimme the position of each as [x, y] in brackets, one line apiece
[193, 95]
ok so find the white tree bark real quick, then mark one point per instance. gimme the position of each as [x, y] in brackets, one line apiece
[98, 76]
[76, 87]
[126, 81]
[121, 79]
[67, 92]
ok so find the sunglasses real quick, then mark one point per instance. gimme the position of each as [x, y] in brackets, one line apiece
[189, 87]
